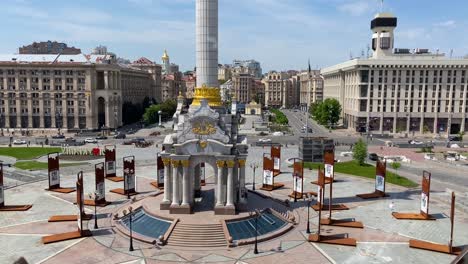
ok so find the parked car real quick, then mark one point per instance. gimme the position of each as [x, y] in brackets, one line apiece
[70, 139]
[373, 156]
[278, 134]
[120, 136]
[415, 142]
[58, 136]
[19, 142]
[264, 140]
[101, 137]
[454, 138]
[90, 140]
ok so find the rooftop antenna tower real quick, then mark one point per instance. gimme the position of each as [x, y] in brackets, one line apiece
[381, 6]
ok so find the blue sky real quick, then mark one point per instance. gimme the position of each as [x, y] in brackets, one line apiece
[281, 34]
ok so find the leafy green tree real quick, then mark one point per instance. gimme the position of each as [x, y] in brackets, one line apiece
[396, 166]
[151, 114]
[278, 117]
[360, 152]
[326, 113]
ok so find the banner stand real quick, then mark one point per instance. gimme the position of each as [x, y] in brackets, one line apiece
[159, 184]
[269, 183]
[129, 188]
[338, 239]
[111, 163]
[448, 249]
[424, 210]
[329, 167]
[10, 208]
[79, 203]
[380, 181]
[53, 168]
[82, 229]
[298, 180]
[100, 188]
[275, 153]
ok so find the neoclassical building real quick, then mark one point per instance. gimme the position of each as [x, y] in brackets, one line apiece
[205, 133]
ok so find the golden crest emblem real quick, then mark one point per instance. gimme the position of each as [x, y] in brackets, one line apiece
[203, 144]
[203, 128]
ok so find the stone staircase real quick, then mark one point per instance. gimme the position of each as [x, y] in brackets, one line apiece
[195, 235]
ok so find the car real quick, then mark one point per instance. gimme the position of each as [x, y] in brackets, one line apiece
[120, 136]
[70, 139]
[90, 140]
[58, 136]
[373, 156]
[19, 142]
[264, 140]
[415, 142]
[278, 134]
[101, 137]
[454, 138]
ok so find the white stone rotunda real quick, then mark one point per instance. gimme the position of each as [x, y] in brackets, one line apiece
[206, 132]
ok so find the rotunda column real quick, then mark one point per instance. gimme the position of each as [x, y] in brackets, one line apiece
[242, 191]
[186, 183]
[219, 199]
[230, 183]
[175, 182]
[167, 180]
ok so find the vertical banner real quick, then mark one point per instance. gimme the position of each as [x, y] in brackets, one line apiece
[329, 160]
[160, 168]
[80, 200]
[53, 165]
[100, 183]
[110, 161]
[2, 199]
[129, 174]
[202, 173]
[298, 176]
[267, 172]
[320, 185]
[275, 153]
[426, 189]
[380, 173]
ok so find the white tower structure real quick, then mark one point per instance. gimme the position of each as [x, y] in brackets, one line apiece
[382, 27]
[207, 43]
[166, 63]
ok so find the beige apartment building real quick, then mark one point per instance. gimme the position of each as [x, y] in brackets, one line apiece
[310, 88]
[243, 87]
[399, 90]
[155, 70]
[280, 90]
[68, 92]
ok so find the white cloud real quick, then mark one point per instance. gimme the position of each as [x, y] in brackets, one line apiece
[355, 8]
[447, 24]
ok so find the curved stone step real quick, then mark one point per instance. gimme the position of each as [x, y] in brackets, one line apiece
[194, 235]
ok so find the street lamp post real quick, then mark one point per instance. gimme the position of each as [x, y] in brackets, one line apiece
[255, 214]
[130, 212]
[93, 196]
[159, 115]
[127, 183]
[309, 200]
[253, 166]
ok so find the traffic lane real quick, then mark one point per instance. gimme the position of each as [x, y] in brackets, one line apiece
[441, 178]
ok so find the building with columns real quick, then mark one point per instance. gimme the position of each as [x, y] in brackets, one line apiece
[205, 133]
[400, 90]
[67, 92]
[310, 88]
[280, 90]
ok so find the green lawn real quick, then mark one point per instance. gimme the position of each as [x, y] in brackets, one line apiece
[367, 171]
[25, 153]
[35, 165]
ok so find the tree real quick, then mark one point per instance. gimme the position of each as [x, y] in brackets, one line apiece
[360, 152]
[327, 112]
[151, 114]
[396, 166]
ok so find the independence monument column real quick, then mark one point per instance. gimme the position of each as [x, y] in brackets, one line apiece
[207, 53]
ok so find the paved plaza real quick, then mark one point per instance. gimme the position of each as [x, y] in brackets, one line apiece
[383, 240]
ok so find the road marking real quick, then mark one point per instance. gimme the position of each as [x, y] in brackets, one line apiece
[323, 253]
[61, 199]
[9, 234]
[62, 250]
[382, 243]
[34, 221]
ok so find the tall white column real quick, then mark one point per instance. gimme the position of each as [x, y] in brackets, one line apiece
[219, 195]
[186, 183]
[230, 183]
[167, 180]
[175, 181]
[207, 42]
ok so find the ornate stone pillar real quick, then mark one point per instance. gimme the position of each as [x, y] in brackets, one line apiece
[242, 190]
[219, 199]
[230, 183]
[196, 180]
[167, 180]
[186, 183]
[175, 181]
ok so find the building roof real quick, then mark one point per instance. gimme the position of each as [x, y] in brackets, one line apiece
[143, 60]
[43, 58]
